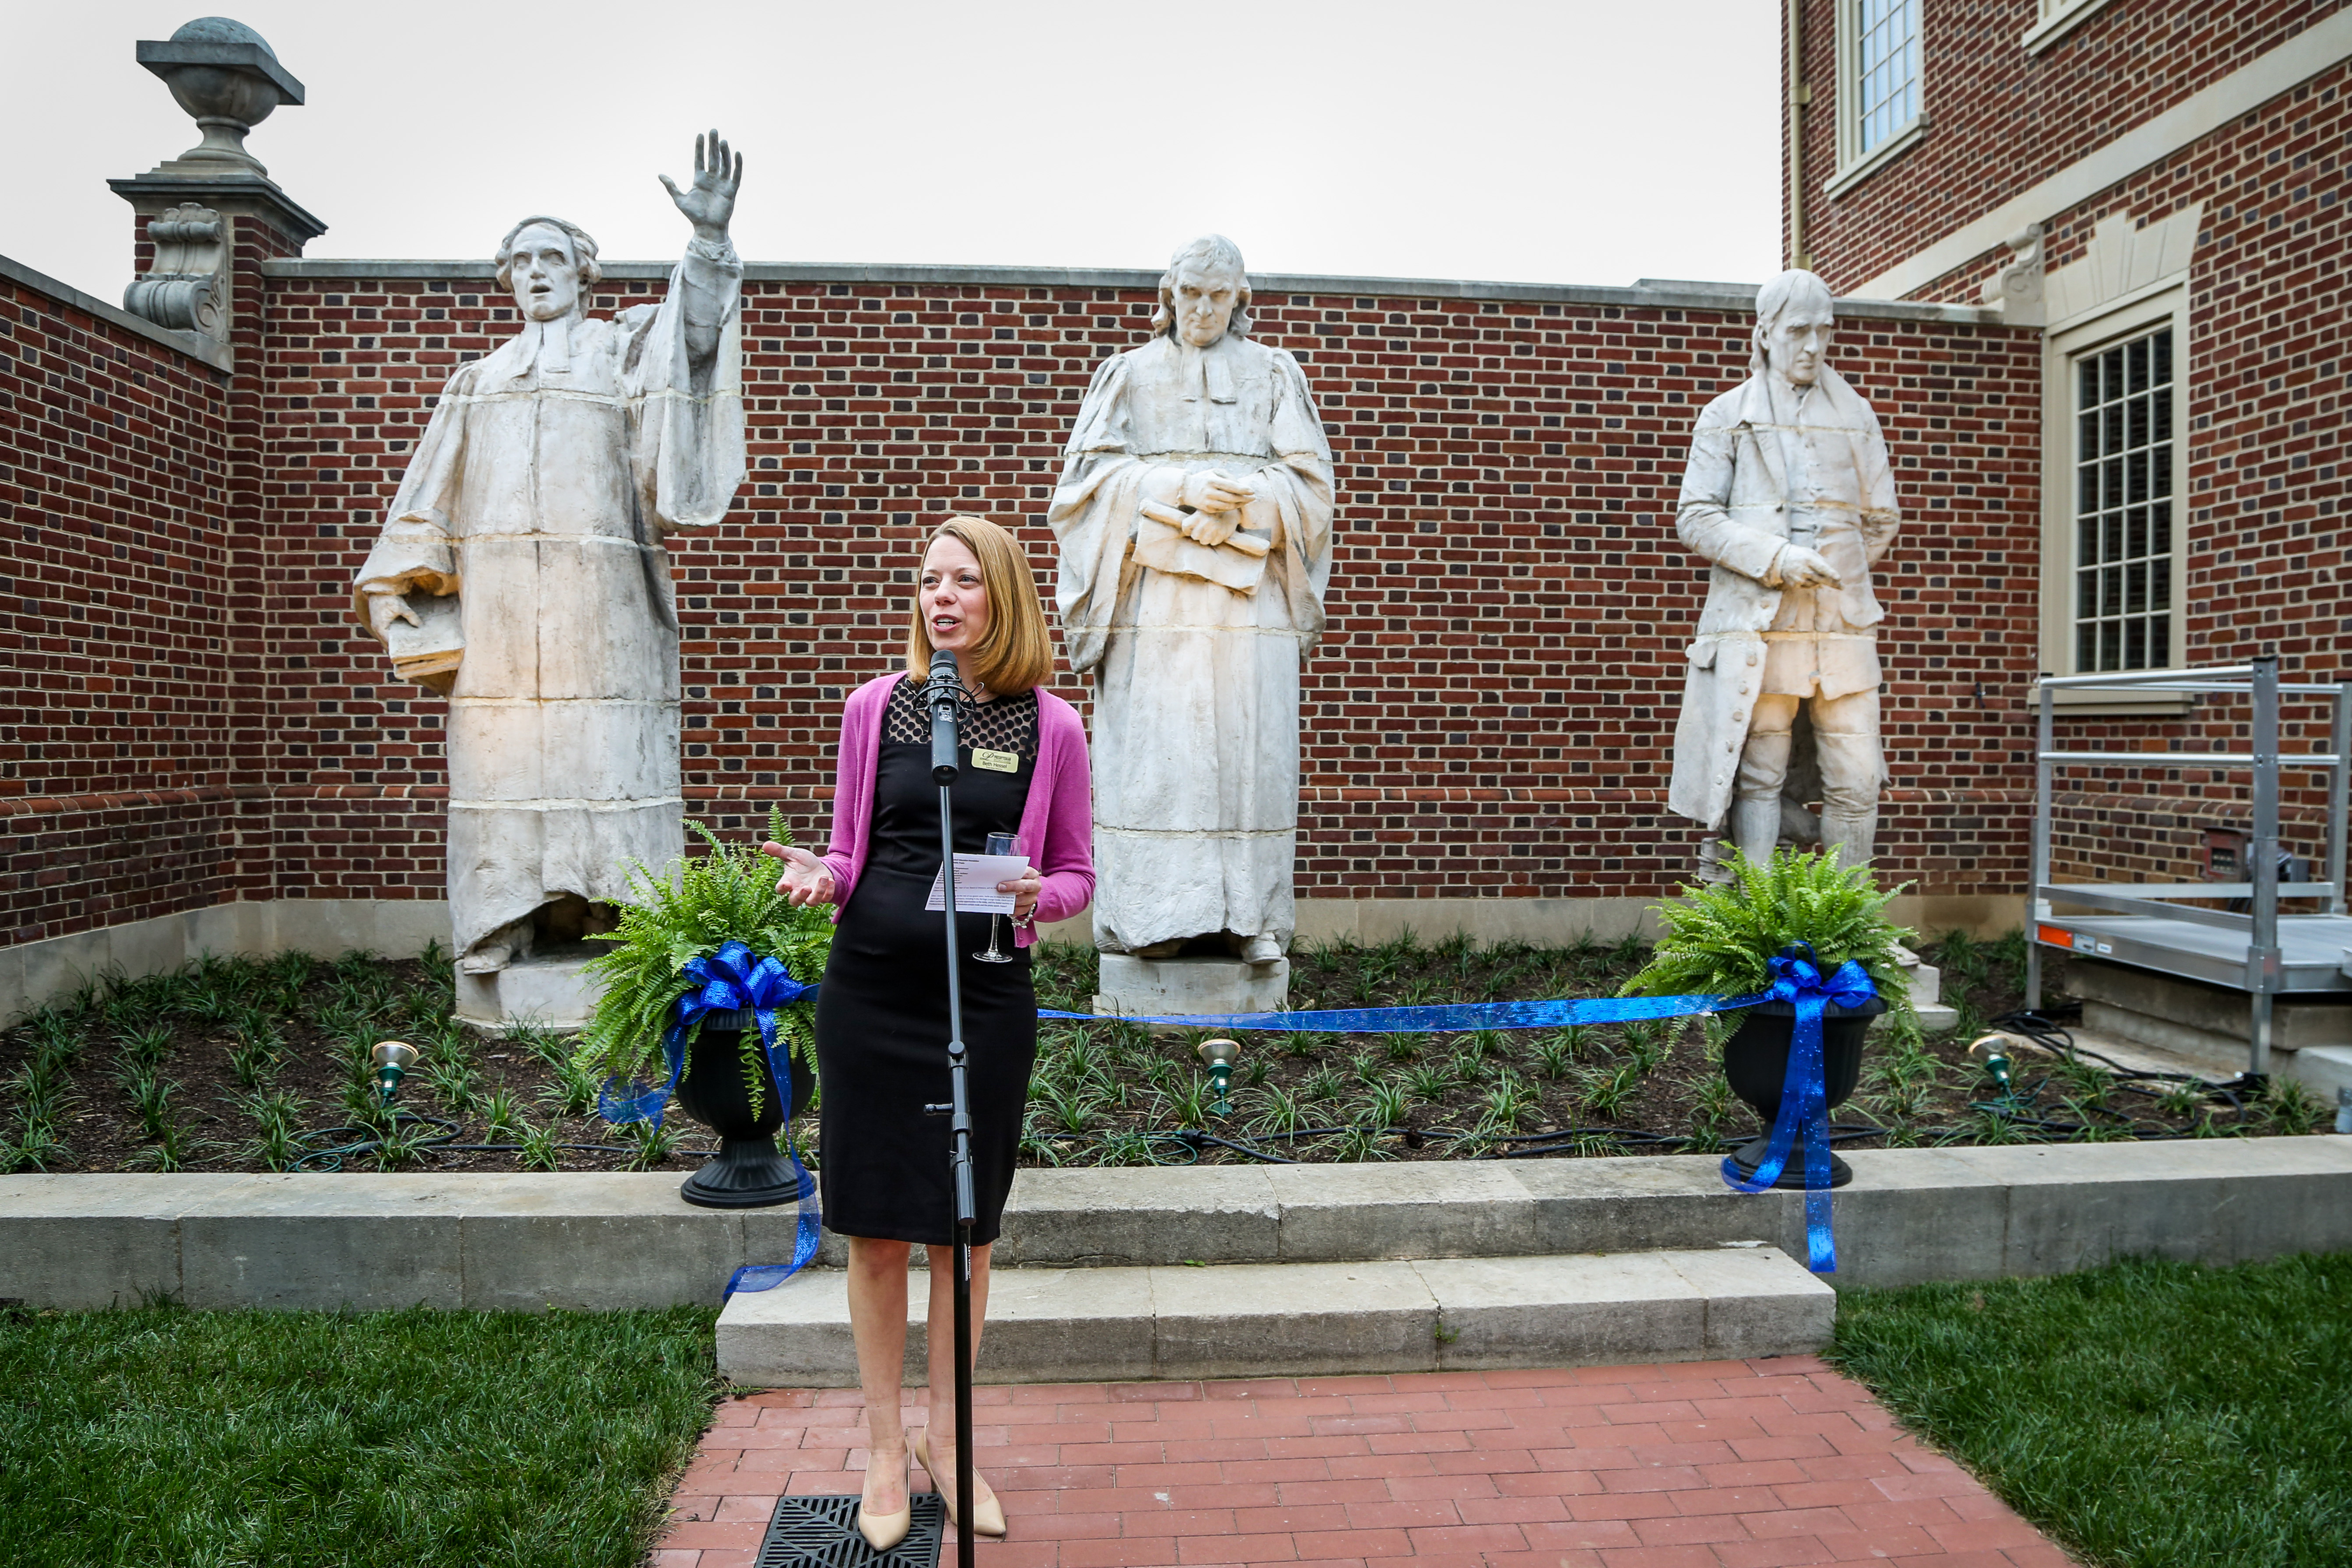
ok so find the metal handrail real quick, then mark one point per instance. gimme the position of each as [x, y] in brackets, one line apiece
[2195, 759]
[2317, 693]
[2144, 677]
[2264, 969]
[2193, 890]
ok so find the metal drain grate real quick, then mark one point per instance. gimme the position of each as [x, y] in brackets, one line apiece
[822, 1532]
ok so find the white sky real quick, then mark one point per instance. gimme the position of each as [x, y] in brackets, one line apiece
[1567, 143]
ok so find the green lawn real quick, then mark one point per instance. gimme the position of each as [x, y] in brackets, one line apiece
[2143, 1413]
[423, 1439]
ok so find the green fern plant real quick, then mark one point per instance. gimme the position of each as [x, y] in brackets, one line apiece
[1721, 939]
[728, 895]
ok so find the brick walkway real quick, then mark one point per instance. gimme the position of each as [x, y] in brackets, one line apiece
[1707, 1465]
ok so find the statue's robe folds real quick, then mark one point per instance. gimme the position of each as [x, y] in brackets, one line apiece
[1196, 686]
[539, 496]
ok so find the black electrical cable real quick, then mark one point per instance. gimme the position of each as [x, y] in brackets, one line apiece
[2060, 1042]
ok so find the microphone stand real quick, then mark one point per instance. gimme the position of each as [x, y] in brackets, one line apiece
[942, 696]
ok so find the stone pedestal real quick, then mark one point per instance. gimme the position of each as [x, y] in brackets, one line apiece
[549, 989]
[1142, 987]
[1928, 995]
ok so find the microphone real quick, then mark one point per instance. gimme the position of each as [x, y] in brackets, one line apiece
[941, 696]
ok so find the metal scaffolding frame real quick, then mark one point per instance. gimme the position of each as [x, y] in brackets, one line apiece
[2260, 952]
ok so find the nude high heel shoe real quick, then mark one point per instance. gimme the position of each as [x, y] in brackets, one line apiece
[987, 1516]
[883, 1531]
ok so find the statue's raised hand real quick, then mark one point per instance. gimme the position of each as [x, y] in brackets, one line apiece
[712, 201]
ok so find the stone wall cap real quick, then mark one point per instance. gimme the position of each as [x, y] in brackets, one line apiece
[1648, 294]
[195, 345]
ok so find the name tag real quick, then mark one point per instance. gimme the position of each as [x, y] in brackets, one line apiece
[996, 762]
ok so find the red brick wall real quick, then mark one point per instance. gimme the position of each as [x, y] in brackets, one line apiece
[117, 610]
[2264, 368]
[1488, 714]
[1491, 709]
[2000, 118]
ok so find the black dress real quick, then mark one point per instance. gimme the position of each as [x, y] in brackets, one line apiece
[882, 1017]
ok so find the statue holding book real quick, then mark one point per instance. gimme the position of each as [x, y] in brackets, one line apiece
[1195, 517]
[522, 570]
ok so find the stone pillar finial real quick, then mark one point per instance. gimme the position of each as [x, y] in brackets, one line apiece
[190, 207]
[228, 77]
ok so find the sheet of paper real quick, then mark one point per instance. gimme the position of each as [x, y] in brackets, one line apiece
[976, 880]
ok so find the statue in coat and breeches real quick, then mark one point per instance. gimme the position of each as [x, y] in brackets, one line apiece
[1788, 494]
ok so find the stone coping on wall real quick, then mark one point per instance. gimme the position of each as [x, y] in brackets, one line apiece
[608, 1240]
[195, 345]
[1648, 294]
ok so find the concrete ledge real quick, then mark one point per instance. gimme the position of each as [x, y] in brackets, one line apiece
[1556, 923]
[1055, 1325]
[587, 1242]
[2178, 1014]
[597, 1241]
[32, 972]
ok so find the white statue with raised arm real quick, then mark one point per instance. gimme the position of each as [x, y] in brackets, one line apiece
[522, 569]
[1788, 494]
[1194, 516]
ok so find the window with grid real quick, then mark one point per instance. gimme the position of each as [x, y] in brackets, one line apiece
[1886, 69]
[2123, 506]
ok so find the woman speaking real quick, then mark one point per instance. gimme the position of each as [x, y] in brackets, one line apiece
[882, 1015]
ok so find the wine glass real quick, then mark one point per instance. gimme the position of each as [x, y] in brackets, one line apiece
[998, 843]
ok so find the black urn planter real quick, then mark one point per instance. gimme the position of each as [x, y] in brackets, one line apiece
[748, 1172]
[1755, 1061]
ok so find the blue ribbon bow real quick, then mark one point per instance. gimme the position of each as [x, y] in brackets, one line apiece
[730, 980]
[1804, 1094]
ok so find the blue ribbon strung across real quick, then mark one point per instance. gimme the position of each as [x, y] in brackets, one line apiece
[732, 981]
[1459, 1017]
[1804, 1099]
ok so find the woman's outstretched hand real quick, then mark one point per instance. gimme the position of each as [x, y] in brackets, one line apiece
[805, 880]
[1024, 889]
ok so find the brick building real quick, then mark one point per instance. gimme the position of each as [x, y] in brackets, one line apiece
[2157, 190]
[198, 748]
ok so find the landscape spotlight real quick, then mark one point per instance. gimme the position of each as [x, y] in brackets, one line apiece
[1221, 1055]
[1993, 1051]
[392, 1060]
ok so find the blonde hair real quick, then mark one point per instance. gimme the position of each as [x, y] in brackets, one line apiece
[1015, 653]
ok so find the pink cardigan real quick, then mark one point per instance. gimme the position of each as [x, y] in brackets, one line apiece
[1057, 825]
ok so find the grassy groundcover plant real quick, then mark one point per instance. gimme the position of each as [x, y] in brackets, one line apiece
[414, 1439]
[222, 1065]
[1113, 1094]
[728, 895]
[217, 1065]
[2146, 1414]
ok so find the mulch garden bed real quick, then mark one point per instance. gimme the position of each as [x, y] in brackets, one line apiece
[246, 1065]
[227, 1063]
